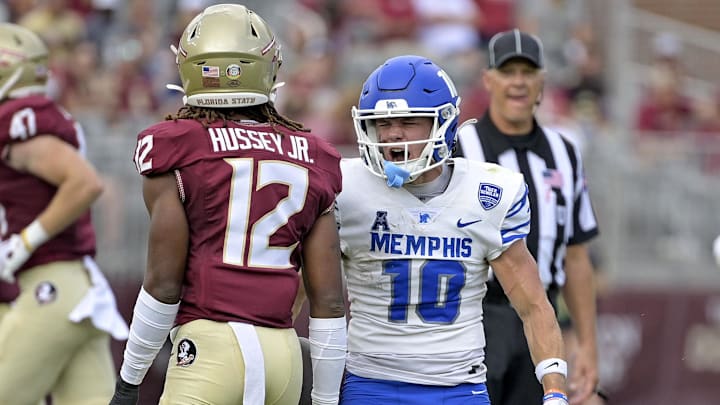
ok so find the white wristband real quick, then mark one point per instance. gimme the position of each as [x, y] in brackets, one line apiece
[549, 366]
[34, 235]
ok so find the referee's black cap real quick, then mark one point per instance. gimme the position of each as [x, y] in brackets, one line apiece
[513, 44]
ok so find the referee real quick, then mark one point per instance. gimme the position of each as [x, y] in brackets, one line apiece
[562, 220]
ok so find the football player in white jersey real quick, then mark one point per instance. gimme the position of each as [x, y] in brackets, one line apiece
[419, 233]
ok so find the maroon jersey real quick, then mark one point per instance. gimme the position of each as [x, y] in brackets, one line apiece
[251, 193]
[22, 195]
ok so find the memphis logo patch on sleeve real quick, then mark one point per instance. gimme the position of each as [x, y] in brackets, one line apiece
[489, 195]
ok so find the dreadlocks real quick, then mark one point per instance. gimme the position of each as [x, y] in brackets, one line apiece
[260, 113]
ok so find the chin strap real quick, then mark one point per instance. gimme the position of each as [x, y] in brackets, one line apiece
[274, 90]
[175, 87]
[471, 121]
[396, 176]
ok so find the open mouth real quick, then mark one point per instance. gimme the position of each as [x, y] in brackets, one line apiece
[396, 154]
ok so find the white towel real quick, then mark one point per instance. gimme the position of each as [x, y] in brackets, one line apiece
[254, 393]
[99, 305]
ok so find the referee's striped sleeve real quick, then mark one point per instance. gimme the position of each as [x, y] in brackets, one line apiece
[584, 226]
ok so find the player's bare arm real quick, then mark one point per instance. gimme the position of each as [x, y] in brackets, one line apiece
[78, 186]
[579, 294]
[517, 272]
[59, 164]
[322, 278]
[321, 269]
[158, 302]
[300, 298]
[168, 238]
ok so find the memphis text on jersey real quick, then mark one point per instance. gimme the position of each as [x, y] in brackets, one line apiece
[231, 139]
[381, 240]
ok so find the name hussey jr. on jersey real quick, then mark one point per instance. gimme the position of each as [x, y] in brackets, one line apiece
[231, 139]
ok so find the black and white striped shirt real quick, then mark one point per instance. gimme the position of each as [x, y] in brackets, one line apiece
[562, 213]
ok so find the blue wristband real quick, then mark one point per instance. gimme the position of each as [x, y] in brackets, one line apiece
[554, 394]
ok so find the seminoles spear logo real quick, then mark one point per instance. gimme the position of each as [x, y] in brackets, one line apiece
[489, 195]
[186, 353]
[45, 293]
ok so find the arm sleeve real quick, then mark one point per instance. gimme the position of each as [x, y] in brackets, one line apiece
[151, 324]
[328, 346]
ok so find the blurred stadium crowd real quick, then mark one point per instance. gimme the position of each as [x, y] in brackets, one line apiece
[651, 142]
[111, 59]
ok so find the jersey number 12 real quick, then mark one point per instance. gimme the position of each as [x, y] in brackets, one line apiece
[257, 234]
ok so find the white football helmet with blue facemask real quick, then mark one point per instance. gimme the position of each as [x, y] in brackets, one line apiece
[407, 86]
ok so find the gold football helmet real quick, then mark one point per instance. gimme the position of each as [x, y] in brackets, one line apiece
[23, 62]
[227, 57]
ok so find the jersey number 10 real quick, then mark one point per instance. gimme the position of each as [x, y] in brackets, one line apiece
[439, 296]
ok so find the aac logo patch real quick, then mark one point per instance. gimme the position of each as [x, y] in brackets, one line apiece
[186, 353]
[381, 222]
[489, 195]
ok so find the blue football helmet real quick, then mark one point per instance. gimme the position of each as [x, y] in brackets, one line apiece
[407, 86]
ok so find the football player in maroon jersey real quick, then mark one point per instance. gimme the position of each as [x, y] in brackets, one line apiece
[240, 199]
[54, 338]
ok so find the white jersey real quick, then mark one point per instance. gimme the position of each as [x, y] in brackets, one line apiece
[416, 271]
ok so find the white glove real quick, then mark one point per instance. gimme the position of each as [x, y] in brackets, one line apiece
[13, 254]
